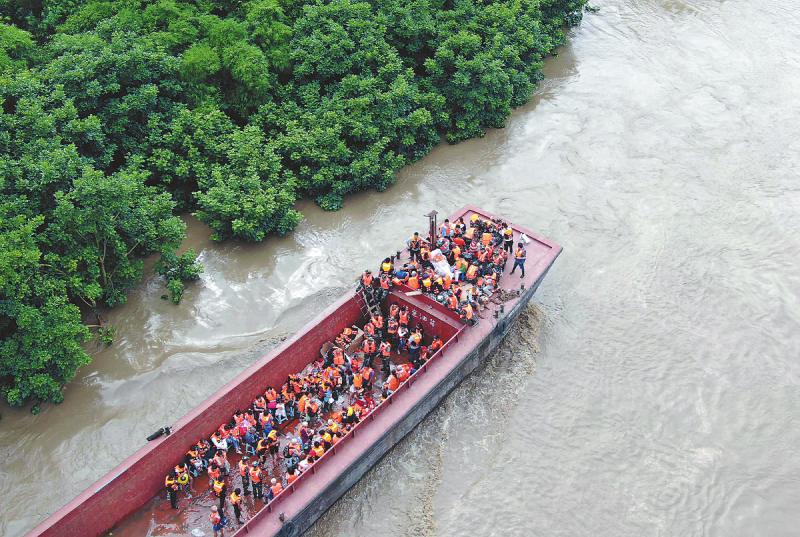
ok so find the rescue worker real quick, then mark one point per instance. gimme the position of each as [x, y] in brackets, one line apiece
[244, 473]
[508, 238]
[236, 502]
[415, 246]
[519, 259]
[171, 484]
[275, 488]
[220, 490]
[255, 477]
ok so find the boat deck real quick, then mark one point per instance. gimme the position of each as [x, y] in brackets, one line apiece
[157, 518]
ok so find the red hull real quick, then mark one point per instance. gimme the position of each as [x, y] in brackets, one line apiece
[133, 483]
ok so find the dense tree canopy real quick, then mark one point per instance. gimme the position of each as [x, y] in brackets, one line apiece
[116, 115]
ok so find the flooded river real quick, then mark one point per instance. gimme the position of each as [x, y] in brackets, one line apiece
[652, 391]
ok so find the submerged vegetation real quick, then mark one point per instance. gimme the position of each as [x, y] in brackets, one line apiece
[117, 115]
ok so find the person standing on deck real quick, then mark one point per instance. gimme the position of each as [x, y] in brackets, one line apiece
[508, 238]
[217, 522]
[244, 473]
[236, 502]
[519, 259]
[220, 491]
[415, 246]
[255, 477]
[172, 489]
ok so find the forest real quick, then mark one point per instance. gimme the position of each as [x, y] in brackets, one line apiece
[118, 116]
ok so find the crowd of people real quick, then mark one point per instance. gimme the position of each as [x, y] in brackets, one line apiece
[476, 255]
[288, 428]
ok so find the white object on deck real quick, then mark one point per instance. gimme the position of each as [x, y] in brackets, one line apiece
[439, 262]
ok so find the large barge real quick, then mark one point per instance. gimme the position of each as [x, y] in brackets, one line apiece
[125, 490]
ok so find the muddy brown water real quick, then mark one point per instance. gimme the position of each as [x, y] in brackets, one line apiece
[652, 391]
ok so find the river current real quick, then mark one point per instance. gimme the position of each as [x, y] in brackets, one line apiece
[651, 390]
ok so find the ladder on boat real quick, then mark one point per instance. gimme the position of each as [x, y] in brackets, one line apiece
[369, 307]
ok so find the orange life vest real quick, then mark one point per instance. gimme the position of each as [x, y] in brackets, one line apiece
[472, 272]
[393, 382]
[413, 282]
[366, 279]
[291, 478]
[276, 489]
[452, 302]
[520, 253]
[358, 380]
[255, 475]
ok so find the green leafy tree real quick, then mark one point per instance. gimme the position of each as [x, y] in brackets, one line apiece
[177, 269]
[103, 226]
[249, 195]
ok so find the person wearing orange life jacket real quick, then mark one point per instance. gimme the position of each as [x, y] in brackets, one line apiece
[426, 283]
[436, 344]
[401, 374]
[338, 357]
[385, 349]
[218, 522]
[447, 282]
[472, 273]
[220, 490]
[391, 330]
[386, 282]
[414, 247]
[392, 382]
[312, 408]
[508, 238]
[452, 302]
[368, 374]
[413, 281]
[377, 321]
[256, 476]
[272, 442]
[262, 448]
[275, 488]
[244, 473]
[366, 279]
[369, 329]
[369, 349]
[468, 313]
[403, 316]
[170, 483]
[236, 502]
[519, 259]
[291, 476]
[358, 382]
